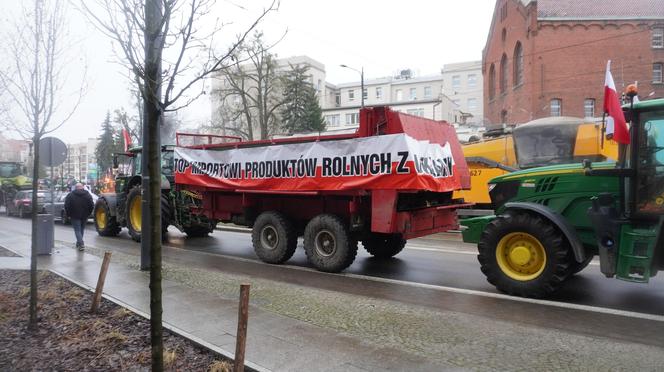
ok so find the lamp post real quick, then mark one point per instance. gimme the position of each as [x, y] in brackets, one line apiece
[361, 72]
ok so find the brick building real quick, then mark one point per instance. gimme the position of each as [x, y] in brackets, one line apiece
[548, 57]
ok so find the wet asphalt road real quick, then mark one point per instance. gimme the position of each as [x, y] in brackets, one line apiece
[441, 260]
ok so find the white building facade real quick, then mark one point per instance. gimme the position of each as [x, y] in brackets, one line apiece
[454, 95]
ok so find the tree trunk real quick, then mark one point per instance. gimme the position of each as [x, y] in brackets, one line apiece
[152, 110]
[32, 324]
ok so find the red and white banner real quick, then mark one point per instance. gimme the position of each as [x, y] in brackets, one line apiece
[395, 161]
[615, 120]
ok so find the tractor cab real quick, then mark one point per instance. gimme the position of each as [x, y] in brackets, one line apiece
[629, 230]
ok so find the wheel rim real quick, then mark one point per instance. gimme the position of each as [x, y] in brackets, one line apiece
[521, 256]
[100, 218]
[135, 214]
[325, 243]
[269, 237]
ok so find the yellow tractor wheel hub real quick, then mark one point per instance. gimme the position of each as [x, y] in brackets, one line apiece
[521, 256]
[100, 218]
[135, 214]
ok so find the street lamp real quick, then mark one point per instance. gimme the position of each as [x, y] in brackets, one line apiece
[361, 72]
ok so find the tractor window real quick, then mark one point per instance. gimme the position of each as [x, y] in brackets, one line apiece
[136, 166]
[167, 163]
[650, 167]
[541, 146]
[10, 170]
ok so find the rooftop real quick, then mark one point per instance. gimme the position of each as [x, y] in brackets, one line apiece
[599, 9]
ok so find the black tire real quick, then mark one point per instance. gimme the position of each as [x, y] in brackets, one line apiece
[328, 244]
[384, 245]
[105, 224]
[548, 275]
[577, 267]
[273, 237]
[134, 227]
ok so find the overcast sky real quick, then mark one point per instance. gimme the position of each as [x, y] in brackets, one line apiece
[381, 36]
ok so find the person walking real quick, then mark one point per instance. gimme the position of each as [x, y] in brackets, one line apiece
[78, 206]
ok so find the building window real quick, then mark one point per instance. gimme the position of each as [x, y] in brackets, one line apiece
[657, 73]
[503, 35]
[456, 81]
[503, 117]
[658, 37]
[589, 107]
[413, 94]
[379, 93]
[503, 74]
[492, 82]
[503, 12]
[337, 99]
[518, 64]
[399, 95]
[352, 118]
[319, 85]
[472, 81]
[556, 107]
[351, 95]
[416, 112]
[472, 104]
[333, 120]
[365, 93]
[427, 92]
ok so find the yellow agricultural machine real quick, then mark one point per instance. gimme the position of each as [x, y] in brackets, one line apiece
[541, 142]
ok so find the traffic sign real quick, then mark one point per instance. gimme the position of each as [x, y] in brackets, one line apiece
[52, 151]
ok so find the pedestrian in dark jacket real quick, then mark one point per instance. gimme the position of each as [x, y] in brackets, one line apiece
[78, 206]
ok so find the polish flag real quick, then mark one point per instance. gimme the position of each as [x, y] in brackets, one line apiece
[615, 121]
[127, 140]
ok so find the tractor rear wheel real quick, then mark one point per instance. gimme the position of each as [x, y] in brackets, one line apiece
[134, 212]
[273, 237]
[523, 254]
[384, 245]
[328, 244]
[105, 224]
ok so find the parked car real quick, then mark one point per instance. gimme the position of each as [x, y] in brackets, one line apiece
[58, 210]
[21, 203]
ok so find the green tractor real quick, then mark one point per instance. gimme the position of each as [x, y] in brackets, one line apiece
[12, 179]
[550, 222]
[123, 208]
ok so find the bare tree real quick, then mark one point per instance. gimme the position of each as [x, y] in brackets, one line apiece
[169, 56]
[249, 97]
[35, 86]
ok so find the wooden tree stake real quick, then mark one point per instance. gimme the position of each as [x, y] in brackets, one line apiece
[100, 282]
[242, 318]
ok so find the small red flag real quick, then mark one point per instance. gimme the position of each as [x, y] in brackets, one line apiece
[615, 121]
[127, 140]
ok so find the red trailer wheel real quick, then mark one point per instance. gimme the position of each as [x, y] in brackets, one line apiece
[328, 244]
[273, 237]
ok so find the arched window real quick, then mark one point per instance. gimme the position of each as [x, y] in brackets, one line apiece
[518, 64]
[503, 74]
[492, 82]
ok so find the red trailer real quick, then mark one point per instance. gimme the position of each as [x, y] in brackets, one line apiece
[390, 181]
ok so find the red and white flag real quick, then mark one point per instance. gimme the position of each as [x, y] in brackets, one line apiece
[615, 120]
[127, 140]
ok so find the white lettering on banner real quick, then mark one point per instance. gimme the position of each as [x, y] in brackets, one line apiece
[365, 156]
